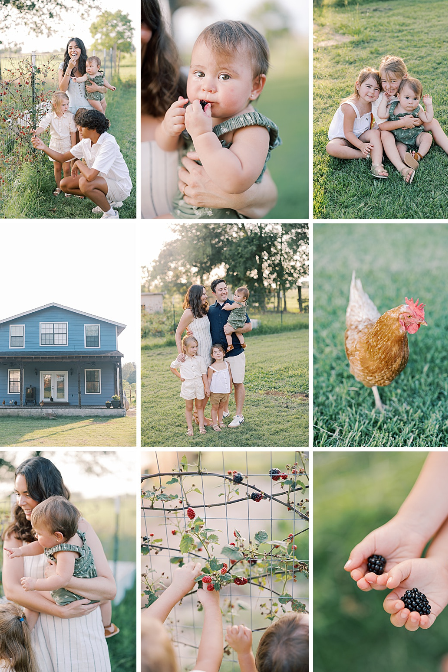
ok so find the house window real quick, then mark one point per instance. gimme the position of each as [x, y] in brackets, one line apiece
[93, 381]
[92, 335]
[53, 333]
[14, 381]
[17, 336]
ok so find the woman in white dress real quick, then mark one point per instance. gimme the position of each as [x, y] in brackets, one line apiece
[69, 638]
[74, 65]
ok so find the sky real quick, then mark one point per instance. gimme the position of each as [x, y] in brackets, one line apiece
[152, 239]
[71, 26]
[120, 481]
[83, 265]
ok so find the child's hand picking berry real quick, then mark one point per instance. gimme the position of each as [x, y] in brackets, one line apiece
[239, 638]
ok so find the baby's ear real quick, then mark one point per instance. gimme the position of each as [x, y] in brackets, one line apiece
[59, 536]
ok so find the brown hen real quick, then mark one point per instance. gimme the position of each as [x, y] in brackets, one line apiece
[377, 345]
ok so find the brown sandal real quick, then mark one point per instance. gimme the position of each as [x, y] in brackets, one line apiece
[411, 160]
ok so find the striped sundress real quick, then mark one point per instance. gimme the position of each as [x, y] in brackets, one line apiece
[70, 644]
[200, 327]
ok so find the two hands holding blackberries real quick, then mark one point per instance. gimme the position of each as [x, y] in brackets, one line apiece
[390, 556]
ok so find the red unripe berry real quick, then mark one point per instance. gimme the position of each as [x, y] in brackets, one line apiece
[232, 562]
[284, 477]
[206, 579]
[173, 531]
[210, 587]
[151, 535]
[232, 543]
[294, 548]
[191, 514]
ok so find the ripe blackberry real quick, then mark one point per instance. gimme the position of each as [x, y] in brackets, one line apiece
[256, 496]
[206, 579]
[274, 474]
[203, 103]
[414, 600]
[238, 477]
[240, 581]
[191, 514]
[376, 564]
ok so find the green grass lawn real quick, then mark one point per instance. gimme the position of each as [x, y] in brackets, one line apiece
[29, 195]
[415, 31]
[392, 262]
[276, 405]
[354, 493]
[71, 431]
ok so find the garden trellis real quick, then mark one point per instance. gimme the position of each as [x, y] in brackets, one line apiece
[249, 524]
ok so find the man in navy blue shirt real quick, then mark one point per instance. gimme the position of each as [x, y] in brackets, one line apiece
[236, 357]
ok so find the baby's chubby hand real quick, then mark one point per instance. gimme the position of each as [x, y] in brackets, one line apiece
[427, 100]
[184, 577]
[28, 583]
[174, 121]
[198, 120]
[13, 552]
[240, 638]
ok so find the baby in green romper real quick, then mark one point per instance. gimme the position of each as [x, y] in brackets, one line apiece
[237, 317]
[97, 99]
[412, 143]
[55, 524]
[232, 140]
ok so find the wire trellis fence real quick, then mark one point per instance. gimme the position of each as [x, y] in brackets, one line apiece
[258, 527]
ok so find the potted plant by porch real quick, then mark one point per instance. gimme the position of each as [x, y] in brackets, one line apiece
[115, 401]
[108, 404]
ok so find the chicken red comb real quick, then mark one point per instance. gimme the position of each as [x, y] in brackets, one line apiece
[416, 310]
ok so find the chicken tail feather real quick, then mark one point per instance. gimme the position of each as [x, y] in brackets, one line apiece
[360, 310]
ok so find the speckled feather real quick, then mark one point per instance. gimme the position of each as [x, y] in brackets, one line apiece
[376, 345]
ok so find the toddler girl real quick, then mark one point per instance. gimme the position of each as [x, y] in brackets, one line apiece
[283, 647]
[351, 133]
[16, 653]
[55, 524]
[62, 132]
[237, 318]
[193, 375]
[97, 99]
[220, 381]
[233, 141]
[408, 103]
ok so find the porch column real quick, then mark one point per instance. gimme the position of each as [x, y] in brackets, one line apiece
[22, 380]
[120, 382]
[78, 370]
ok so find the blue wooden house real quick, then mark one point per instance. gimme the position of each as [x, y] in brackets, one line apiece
[54, 356]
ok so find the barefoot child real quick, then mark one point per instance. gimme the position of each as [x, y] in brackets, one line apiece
[95, 75]
[55, 523]
[408, 103]
[220, 381]
[62, 134]
[237, 318]
[193, 375]
[157, 650]
[16, 652]
[401, 542]
[284, 647]
[233, 141]
[351, 134]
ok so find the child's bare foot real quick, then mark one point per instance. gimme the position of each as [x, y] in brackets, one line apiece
[217, 428]
[190, 431]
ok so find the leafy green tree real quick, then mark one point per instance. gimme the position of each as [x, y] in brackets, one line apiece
[113, 30]
[129, 372]
[42, 16]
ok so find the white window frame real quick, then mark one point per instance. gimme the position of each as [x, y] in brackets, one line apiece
[92, 347]
[20, 382]
[16, 347]
[52, 345]
[85, 381]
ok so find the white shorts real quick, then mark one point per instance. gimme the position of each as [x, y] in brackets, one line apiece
[116, 191]
[192, 388]
[237, 367]
[61, 145]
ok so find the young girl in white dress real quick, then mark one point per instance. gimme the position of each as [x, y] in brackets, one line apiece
[16, 653]
[193, 375]
[351, 134]
[62, 132]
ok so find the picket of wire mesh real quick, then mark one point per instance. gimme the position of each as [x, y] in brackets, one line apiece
[257, 527]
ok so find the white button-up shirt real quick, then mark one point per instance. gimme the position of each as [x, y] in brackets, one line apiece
[104, 156]
[60, 127]
[193, 367]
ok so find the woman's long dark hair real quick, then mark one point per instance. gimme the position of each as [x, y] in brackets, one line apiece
[43, 480]
[193, 300]
[162, 81]
[82, 58]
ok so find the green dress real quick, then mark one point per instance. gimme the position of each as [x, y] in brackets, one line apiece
[185, 211]
[98, 79]
[84, 568]
[407, 136]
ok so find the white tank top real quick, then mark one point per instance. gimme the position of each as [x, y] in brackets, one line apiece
[220, 380]
[361, 124]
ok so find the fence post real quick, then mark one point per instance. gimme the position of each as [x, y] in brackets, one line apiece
[33, 91]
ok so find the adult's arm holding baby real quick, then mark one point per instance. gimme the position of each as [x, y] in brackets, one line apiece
[210, 647]
[183, 582]
[240, 639]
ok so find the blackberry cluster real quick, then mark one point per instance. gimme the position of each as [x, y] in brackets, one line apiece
[203, 103]
[237, 477]
[240, 581]
[274, 474]
[256, 496]
[376, 564]
[414, 600]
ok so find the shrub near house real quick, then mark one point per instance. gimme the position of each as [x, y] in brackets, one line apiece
[56, 356]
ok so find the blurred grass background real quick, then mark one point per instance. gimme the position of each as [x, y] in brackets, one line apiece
[354, 493]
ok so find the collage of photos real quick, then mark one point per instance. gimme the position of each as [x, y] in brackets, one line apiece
[223, 417]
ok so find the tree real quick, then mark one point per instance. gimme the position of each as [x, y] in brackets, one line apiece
[129, 372]
[113, 30]
[271, 19]
[43, 16]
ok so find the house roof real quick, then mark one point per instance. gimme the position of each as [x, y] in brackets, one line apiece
[120, 326]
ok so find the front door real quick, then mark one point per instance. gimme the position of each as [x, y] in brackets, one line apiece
[53, 386]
